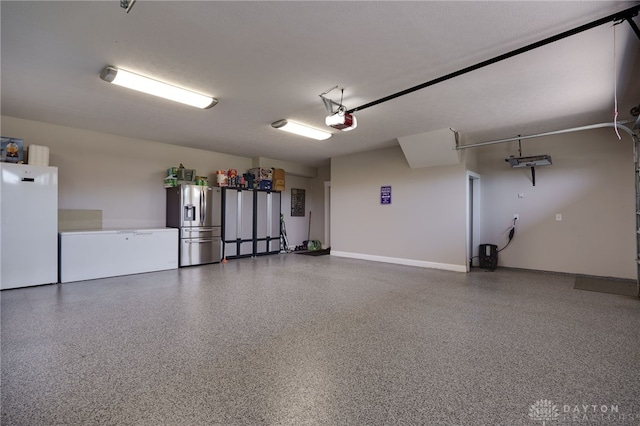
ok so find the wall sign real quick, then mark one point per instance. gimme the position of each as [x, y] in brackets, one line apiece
[385, 195]
[297, 202]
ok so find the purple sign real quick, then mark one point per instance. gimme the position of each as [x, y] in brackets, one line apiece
[385, 195]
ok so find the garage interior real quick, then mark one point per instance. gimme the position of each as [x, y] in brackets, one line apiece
[477, 125]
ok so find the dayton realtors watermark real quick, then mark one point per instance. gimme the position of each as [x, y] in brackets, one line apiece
[547, 412]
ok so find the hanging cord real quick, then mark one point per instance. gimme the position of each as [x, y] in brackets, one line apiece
[511, 234]
[341, 109]
[329, 103]
[615, 86]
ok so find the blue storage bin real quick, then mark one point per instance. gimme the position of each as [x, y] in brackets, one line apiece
[264, 184]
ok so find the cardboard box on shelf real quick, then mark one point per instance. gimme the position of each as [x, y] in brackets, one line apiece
[278, 185]
[278, 174]
[260, 173]
[278, 180]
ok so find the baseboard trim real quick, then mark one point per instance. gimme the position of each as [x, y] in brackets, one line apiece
[401, 261]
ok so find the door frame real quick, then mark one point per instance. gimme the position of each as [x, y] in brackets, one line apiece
[473, 216]
[327, 214]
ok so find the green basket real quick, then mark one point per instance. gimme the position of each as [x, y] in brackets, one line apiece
[314, 245]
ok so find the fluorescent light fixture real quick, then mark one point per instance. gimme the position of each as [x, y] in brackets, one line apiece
[301, 129]
[157, 88]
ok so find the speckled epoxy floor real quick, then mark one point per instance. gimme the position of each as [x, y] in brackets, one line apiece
[293, 340]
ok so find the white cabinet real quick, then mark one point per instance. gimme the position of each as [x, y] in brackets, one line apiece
[87, 255]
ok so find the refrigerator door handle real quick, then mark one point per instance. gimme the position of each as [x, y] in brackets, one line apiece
[204, 211]
[201, 241]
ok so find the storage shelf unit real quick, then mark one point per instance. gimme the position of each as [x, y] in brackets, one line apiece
[250, 222]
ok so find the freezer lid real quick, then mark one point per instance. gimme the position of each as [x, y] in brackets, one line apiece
[133, 231]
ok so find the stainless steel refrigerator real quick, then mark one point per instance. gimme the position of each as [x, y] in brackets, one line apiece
[29, 231]
[196, 211]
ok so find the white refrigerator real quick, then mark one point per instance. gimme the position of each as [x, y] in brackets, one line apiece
[29, 225]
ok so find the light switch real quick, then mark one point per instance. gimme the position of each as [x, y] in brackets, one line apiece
[558, 217]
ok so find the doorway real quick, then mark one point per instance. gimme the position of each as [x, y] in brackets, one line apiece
[473, 217]
[327, 214]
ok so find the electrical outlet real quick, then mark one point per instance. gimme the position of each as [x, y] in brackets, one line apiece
[559, 217]
[516, 216]
[520, 195]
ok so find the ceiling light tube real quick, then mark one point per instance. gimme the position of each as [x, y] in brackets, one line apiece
[157, 88]
[300, 129]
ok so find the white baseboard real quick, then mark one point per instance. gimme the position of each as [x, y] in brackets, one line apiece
[400, 261]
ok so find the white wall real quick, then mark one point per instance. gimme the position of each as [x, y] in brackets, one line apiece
[591, 183]
[297, 227]
[123, 177]
[426, 223]
[316, 204]
[300, 177]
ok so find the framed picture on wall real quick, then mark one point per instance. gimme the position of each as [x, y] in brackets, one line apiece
[12, 150]
[297, 202]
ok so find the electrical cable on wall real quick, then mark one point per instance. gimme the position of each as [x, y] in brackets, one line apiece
[512, 232]
[615, 86]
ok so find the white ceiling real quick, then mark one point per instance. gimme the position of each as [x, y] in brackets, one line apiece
[265, 61]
